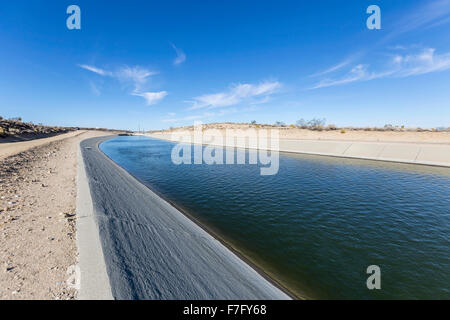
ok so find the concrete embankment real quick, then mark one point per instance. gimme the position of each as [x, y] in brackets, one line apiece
[153, 251]
[93, 278]
[435, 154]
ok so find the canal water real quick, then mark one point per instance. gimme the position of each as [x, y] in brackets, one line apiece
[317, 225]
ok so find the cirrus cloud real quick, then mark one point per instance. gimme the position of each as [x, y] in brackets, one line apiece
[151, 97]
[235, 95]
[95, 70]
[136, 77]
[400, 66]
[181, 56]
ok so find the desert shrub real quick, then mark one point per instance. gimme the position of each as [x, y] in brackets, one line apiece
[2, 131]
[280, 124]
[318, 128]
[302, 123]
[313, 124]
[292, 126]
[343, 131]
[316, 122]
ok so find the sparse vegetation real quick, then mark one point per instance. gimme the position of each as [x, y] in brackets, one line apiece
[314, 125]
[317, 123]
[302, 123]
[280, 124]
[15, 127]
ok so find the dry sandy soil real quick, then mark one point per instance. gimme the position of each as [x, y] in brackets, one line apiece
[349, 135]
[37, 216]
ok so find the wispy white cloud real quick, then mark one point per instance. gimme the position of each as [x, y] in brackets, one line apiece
[151, 97]
[357, 73]
[350, 59]
[425, 61]
[137, 77]
[429, 15]
[260, 101]
[94, 88]
[332, 69]
[235, 95]
[181, 56]
[95, 70]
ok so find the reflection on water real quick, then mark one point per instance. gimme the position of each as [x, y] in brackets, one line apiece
[320, 222]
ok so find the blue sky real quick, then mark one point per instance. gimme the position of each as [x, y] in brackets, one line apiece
[157, 64]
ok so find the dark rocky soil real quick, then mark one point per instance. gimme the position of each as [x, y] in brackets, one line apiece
[16, 130]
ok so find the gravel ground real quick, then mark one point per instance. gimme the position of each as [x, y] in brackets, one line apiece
[37, 222]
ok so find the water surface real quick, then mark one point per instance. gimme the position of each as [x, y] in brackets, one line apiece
[320, 222]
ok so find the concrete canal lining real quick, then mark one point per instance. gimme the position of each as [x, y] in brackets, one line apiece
[414, 153]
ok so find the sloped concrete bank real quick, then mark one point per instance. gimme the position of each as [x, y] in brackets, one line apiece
[93, 280]
[414, 153]
[150, 249]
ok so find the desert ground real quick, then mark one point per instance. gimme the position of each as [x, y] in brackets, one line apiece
[339, 134]
[37, 216]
